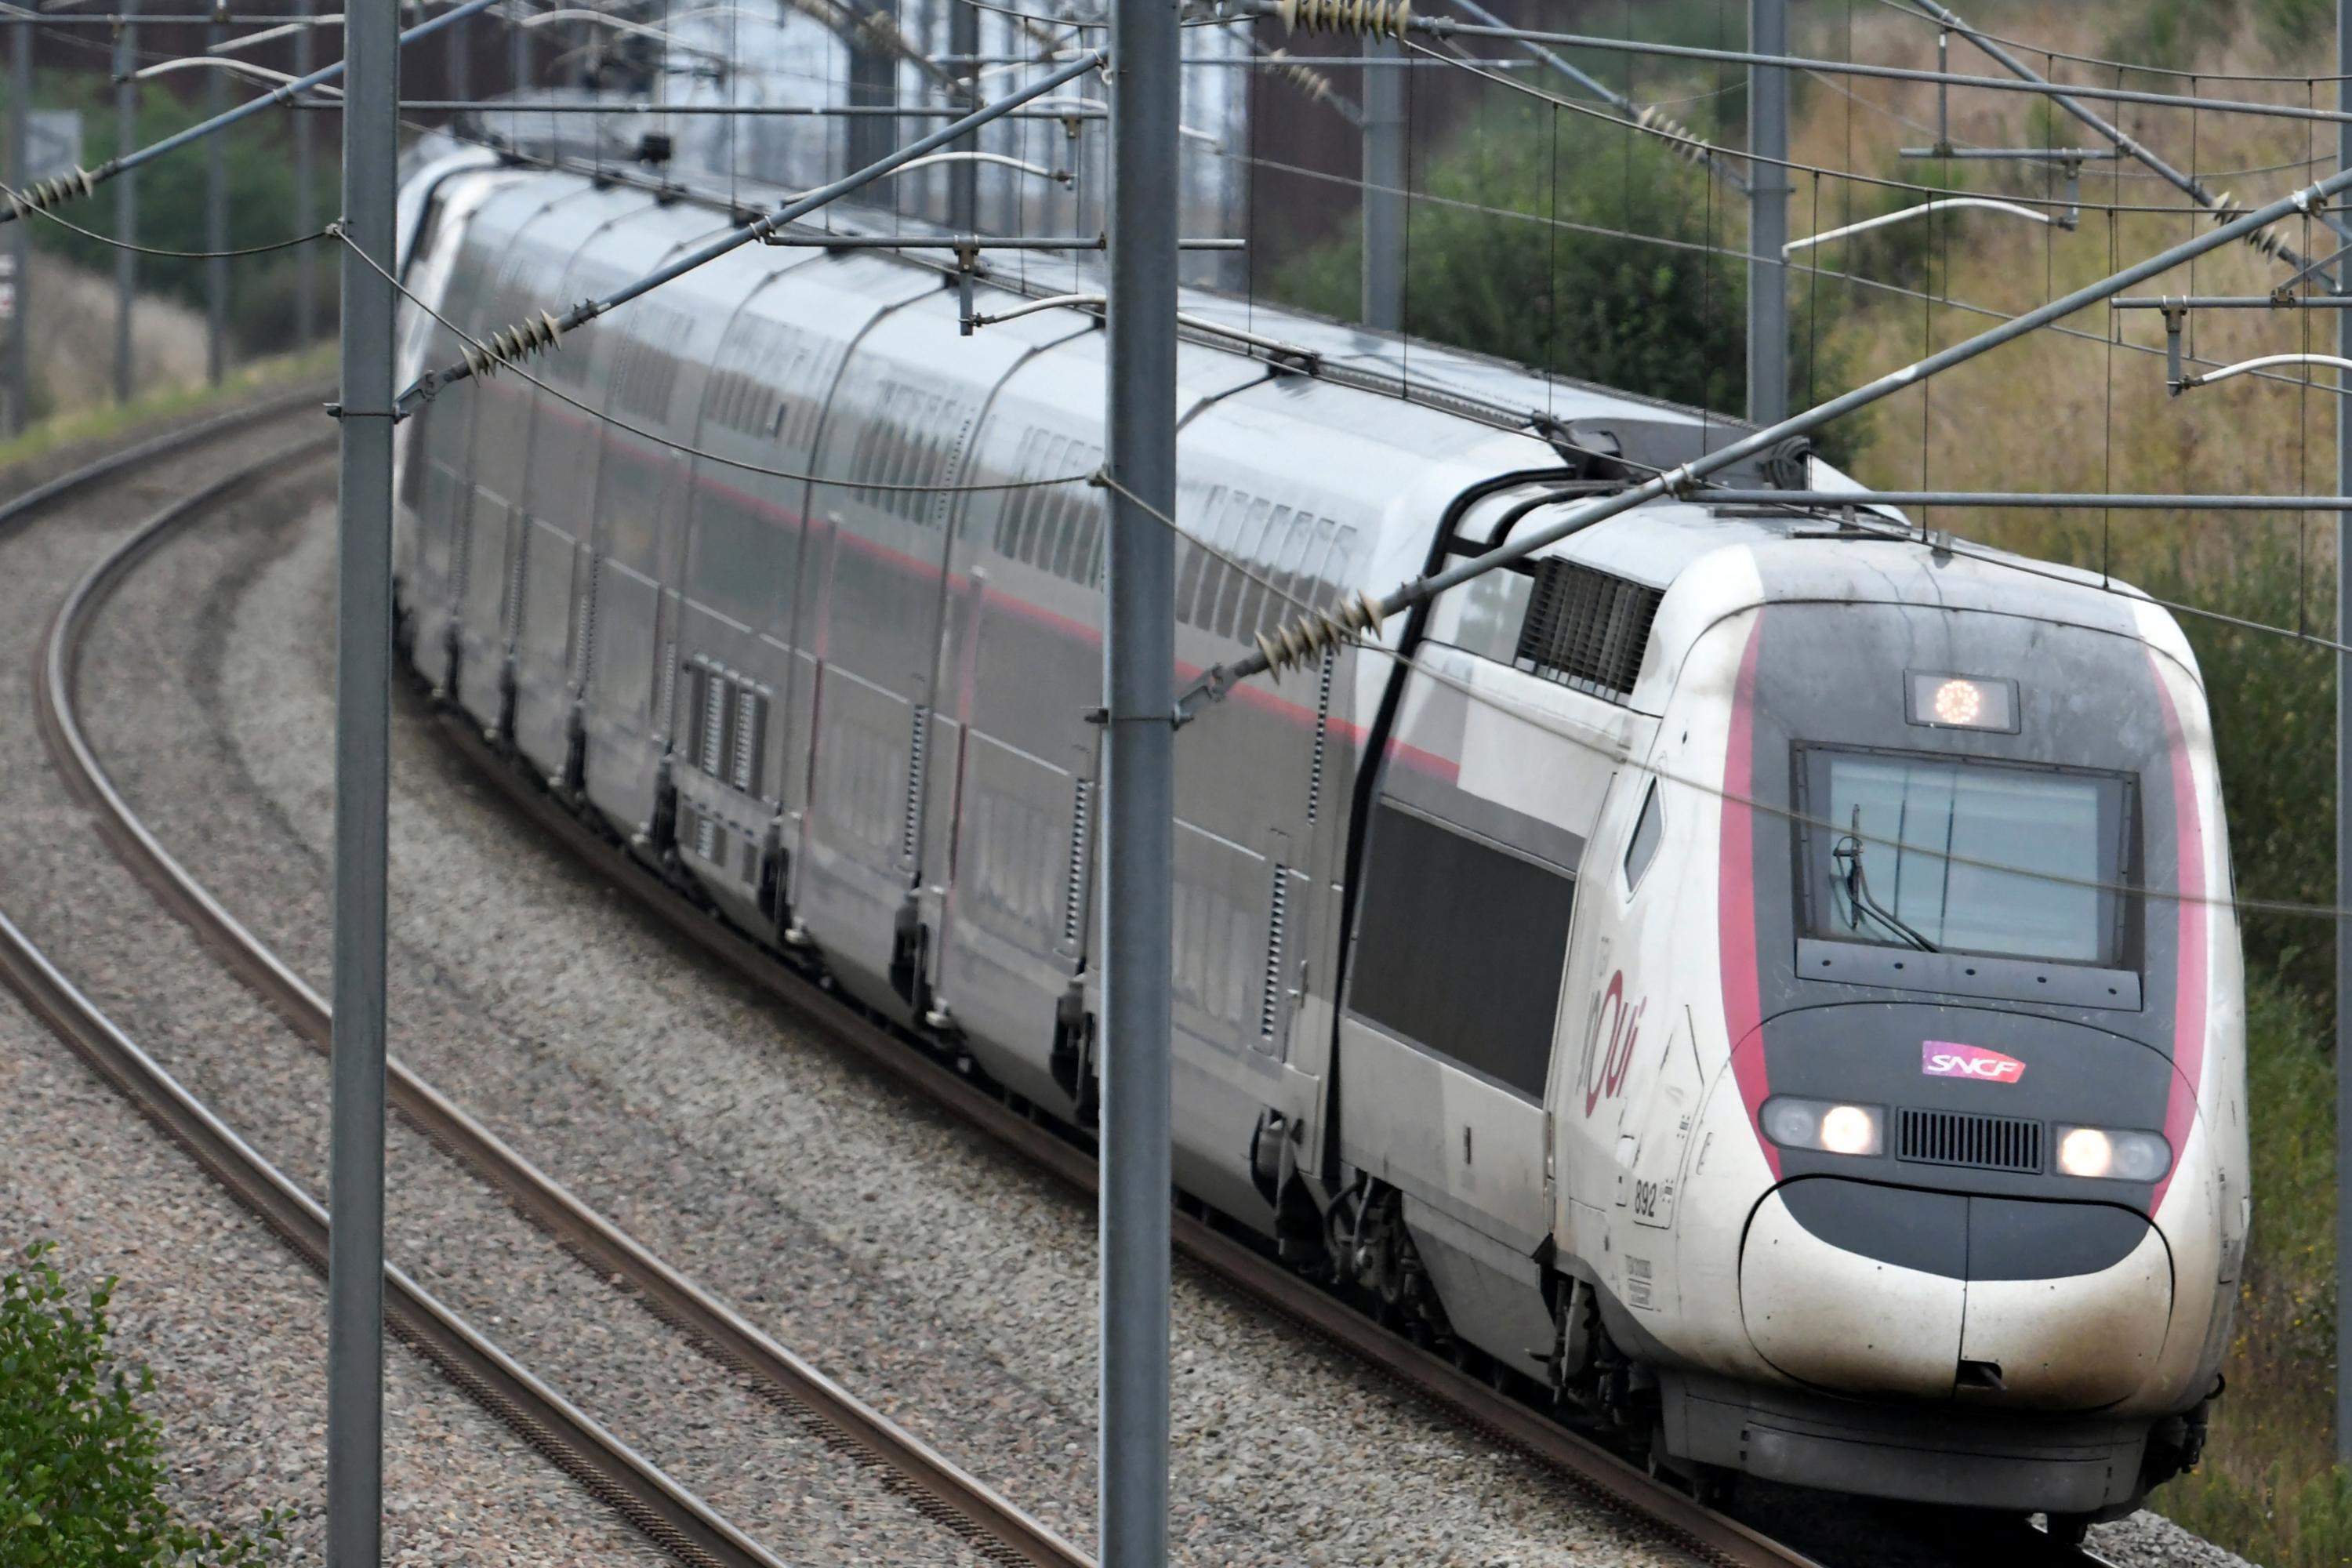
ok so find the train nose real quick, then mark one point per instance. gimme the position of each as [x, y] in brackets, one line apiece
[1864, 1289]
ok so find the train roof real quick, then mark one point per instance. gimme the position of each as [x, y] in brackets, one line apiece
[1530, 419]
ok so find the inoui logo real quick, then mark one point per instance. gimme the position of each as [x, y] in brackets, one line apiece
[1948, 1059]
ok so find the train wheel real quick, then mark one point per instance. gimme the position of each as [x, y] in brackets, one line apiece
[2068, 1528]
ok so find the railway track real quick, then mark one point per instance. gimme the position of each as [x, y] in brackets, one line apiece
[669, 1514]
[607, 1469]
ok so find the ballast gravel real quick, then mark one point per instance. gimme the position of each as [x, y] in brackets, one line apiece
[769, 1473]
[939, 1276]
[233, 1325]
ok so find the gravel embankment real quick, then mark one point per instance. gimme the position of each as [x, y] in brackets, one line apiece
[771, 1476]
[233, 1325]
[939, 1277]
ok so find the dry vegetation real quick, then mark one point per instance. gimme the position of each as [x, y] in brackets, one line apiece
[2062, 413]
[73, 340]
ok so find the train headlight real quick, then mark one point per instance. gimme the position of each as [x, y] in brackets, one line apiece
[1959, 701]
[1828, 1125]
[2105, 1153]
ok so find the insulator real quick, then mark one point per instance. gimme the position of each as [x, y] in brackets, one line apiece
[43, 195]
[1366, 18]
[1306, 78]
[1678, 135]
[2264, 239]
[1307, 635]
[512, 345]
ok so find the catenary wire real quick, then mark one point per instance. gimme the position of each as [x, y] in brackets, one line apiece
[1691, 145]
[1923, 129]
[1918, 15]
[1856, 279]
[8, 195]
[336, 231]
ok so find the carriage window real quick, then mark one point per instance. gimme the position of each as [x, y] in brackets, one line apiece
[1459, 947]
[1643, 846]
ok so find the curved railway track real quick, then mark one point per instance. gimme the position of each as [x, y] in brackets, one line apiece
[686, 1527]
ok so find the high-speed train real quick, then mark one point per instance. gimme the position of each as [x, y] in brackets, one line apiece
[1762, 977]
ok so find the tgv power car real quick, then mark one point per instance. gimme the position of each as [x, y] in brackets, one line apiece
[1760, 974]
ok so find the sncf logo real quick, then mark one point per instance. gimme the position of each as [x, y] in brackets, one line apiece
[1947, 1059]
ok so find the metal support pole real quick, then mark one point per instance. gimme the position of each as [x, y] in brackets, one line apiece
[518, 66]
[216, 229]
[2188, 184]
[20, 246]
[126, 206]
[1768, 215]
[873, 79]
[1384, 214]
[2343, 797]
[305, 209]
[363, 738]
[963, 176]
[1139, 841]
[461, 60]
[783, 216]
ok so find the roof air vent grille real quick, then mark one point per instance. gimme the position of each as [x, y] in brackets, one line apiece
[1586, 628]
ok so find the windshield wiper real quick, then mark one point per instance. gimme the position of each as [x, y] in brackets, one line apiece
[1848, 850]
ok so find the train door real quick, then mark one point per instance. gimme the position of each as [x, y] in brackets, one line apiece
[899, 433]
[1019, 909]
[501, 429]
[1457, 960]
[535, 459]
[551, 531]
[453, 265]
[614, 596]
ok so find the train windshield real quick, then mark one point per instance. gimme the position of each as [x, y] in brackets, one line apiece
[1972, 856]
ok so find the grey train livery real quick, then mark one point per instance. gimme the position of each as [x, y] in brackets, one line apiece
[1761, 979]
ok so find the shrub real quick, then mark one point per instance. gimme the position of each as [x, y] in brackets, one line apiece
[82, 1470]
[1487, 270]
[259, 161]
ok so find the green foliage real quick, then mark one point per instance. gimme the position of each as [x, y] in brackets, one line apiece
[2294, 22]
[260, 163]
[1592, 298]
[2175, 34]
[81, 1468]
[2269, 1488]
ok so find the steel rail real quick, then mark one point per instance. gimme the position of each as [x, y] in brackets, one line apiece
[1610, 1482]
[933, 1485]
[685, 1527]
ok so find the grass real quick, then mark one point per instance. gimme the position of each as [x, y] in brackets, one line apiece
[100, 423]
[2269, 1488]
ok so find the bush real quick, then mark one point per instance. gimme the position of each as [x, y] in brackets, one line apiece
[259, 154]
[82, 1470]
[1488, 270]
